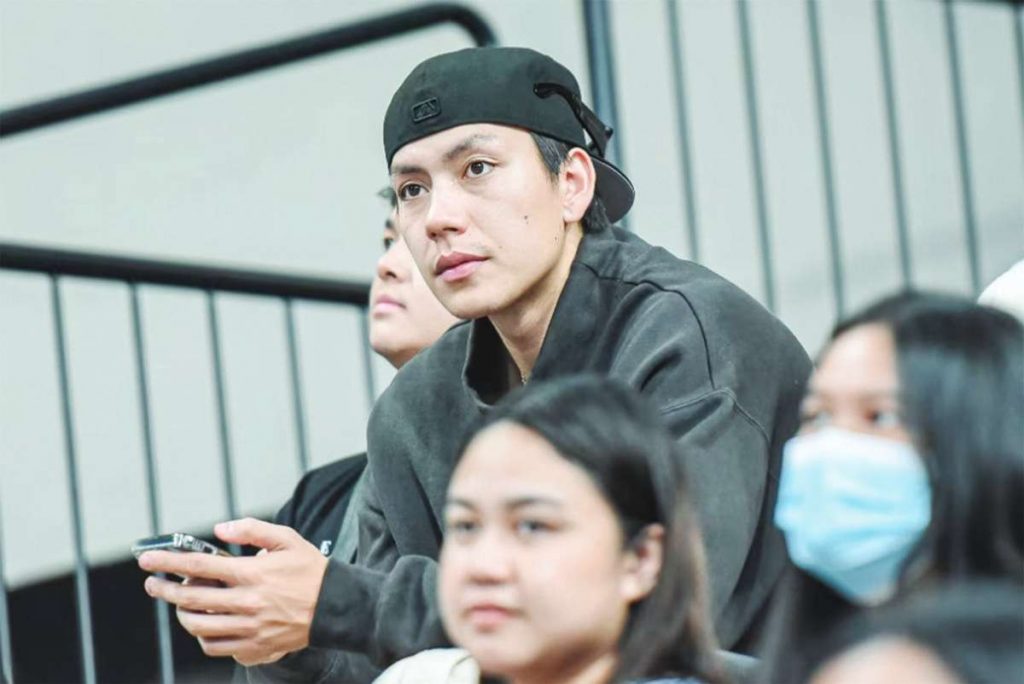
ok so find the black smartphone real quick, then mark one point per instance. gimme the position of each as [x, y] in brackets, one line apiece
[177, 541]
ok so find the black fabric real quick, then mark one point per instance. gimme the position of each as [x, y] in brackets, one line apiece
[315, 511]
[509, 86]
[320, 500]
[726, 374]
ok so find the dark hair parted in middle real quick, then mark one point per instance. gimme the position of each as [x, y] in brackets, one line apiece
[612, 433]
[961, 370]
[961, 399]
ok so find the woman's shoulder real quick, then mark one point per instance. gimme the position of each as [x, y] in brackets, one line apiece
[436, 666]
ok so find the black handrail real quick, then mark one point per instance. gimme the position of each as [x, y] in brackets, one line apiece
[61, 262]
[168, 81]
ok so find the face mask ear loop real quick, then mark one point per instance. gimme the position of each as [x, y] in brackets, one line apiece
[599, 132]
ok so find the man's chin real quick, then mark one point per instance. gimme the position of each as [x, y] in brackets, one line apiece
[469, 308]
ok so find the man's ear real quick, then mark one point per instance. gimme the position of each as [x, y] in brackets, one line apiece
[577, 180]
[642, 563]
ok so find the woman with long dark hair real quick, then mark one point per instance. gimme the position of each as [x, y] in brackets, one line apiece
[571, 554]
[908, 470]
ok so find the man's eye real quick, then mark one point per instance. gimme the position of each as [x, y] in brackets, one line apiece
[388, 241]
[410, 191]
[478, 168]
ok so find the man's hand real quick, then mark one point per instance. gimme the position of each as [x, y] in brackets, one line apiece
[265, 608]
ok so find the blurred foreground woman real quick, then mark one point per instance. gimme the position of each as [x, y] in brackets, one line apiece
[908, 470]
[570, 556]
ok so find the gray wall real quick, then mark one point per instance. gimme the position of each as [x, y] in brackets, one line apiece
[278, 171]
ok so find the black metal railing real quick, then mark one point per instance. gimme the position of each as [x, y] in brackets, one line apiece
[58, 264]
[106, 98]
[603, 82]
[135, 274]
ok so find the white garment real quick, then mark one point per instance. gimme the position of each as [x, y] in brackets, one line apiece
[1007, 291]
[436, 666]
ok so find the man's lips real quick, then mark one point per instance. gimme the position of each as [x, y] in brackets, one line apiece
[457, 265]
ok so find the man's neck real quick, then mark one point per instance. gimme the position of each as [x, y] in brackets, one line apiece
[523, 326]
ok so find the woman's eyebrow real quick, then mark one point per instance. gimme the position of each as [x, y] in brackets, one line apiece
[462, 503]
[525, 501]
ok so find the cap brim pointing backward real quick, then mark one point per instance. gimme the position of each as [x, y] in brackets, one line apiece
[506, 86]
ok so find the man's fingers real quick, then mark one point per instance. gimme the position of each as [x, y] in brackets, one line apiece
[222, 627]
[201, 599]
[193, 565]
[257, 533]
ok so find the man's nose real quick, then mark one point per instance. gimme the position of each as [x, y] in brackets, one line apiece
[446, 215]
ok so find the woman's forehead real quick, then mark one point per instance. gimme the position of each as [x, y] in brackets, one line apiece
[508, 460]
[860, 360]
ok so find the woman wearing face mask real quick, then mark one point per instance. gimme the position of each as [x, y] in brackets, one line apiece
[908, 469]
[570, 556]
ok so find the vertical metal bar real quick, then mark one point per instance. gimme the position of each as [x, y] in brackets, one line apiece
[756, 157]
[1017, 16]
[84, 608]
[895, 158]
[601, 60]
[966, 185]
[6, 657]
[597, 22]
[163, 616]
[222, 410]
[364, 329]
[825, 144]
[683, 125]
[293, 366]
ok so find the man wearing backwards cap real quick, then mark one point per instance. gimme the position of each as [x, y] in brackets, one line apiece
[506, 210]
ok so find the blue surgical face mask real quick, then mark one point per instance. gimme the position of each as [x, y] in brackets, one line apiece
[852, 508]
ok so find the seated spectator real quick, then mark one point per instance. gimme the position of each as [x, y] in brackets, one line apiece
[571, 553]
[908, 469]
[964, 634]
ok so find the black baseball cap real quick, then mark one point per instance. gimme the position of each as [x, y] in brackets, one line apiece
[509, 86]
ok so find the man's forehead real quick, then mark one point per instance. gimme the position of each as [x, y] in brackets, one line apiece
[445, 146]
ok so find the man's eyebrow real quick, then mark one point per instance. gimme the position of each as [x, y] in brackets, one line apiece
[468, 144]
[403, 169]
[455, 152]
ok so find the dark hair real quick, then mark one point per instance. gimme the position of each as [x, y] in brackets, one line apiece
[606, 428]
[553, 153]
[976, 629]
[961, 371]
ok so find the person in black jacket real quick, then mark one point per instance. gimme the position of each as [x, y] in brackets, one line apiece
[507, 211]
[405, 317]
